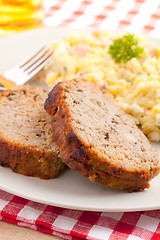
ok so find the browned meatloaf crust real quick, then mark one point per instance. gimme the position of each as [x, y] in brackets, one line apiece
[97, 139]
[26, 143]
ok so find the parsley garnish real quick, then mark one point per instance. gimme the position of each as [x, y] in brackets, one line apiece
[125, 48]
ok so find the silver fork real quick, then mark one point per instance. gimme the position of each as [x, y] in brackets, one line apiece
[24, 71]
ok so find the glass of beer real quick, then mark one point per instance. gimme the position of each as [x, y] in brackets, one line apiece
[16, 15]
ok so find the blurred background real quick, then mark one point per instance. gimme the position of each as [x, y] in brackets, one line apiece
[138, 16]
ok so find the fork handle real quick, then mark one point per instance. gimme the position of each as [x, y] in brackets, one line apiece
[6, 83]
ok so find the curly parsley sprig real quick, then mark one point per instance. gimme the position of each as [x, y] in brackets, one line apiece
[125, 48]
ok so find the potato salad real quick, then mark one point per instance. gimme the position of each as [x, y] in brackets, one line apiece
[129, 64]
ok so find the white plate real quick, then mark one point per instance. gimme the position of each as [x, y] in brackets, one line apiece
[70, 190]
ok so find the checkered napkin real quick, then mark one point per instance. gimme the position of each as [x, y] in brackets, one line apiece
[75, 224]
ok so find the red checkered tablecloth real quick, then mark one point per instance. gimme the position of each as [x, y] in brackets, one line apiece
[75, 224]
[138, 16]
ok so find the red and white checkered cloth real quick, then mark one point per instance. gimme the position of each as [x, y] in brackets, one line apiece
[75, 224]
[137, 16]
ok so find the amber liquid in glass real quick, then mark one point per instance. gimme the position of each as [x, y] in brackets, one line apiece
[16, 15]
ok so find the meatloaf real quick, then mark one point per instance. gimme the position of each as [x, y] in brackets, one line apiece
[26, 143]
[97, 139]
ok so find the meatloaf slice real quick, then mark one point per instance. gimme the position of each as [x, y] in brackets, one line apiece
[97, 139]
[26, 143]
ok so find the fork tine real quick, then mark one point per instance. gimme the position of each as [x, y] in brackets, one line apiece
[40, 66]
[38, 62]
[22, 64]
[35, 59]
[2, 89]
[33, 65]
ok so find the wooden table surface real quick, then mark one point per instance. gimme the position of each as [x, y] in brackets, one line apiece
[10, 231]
